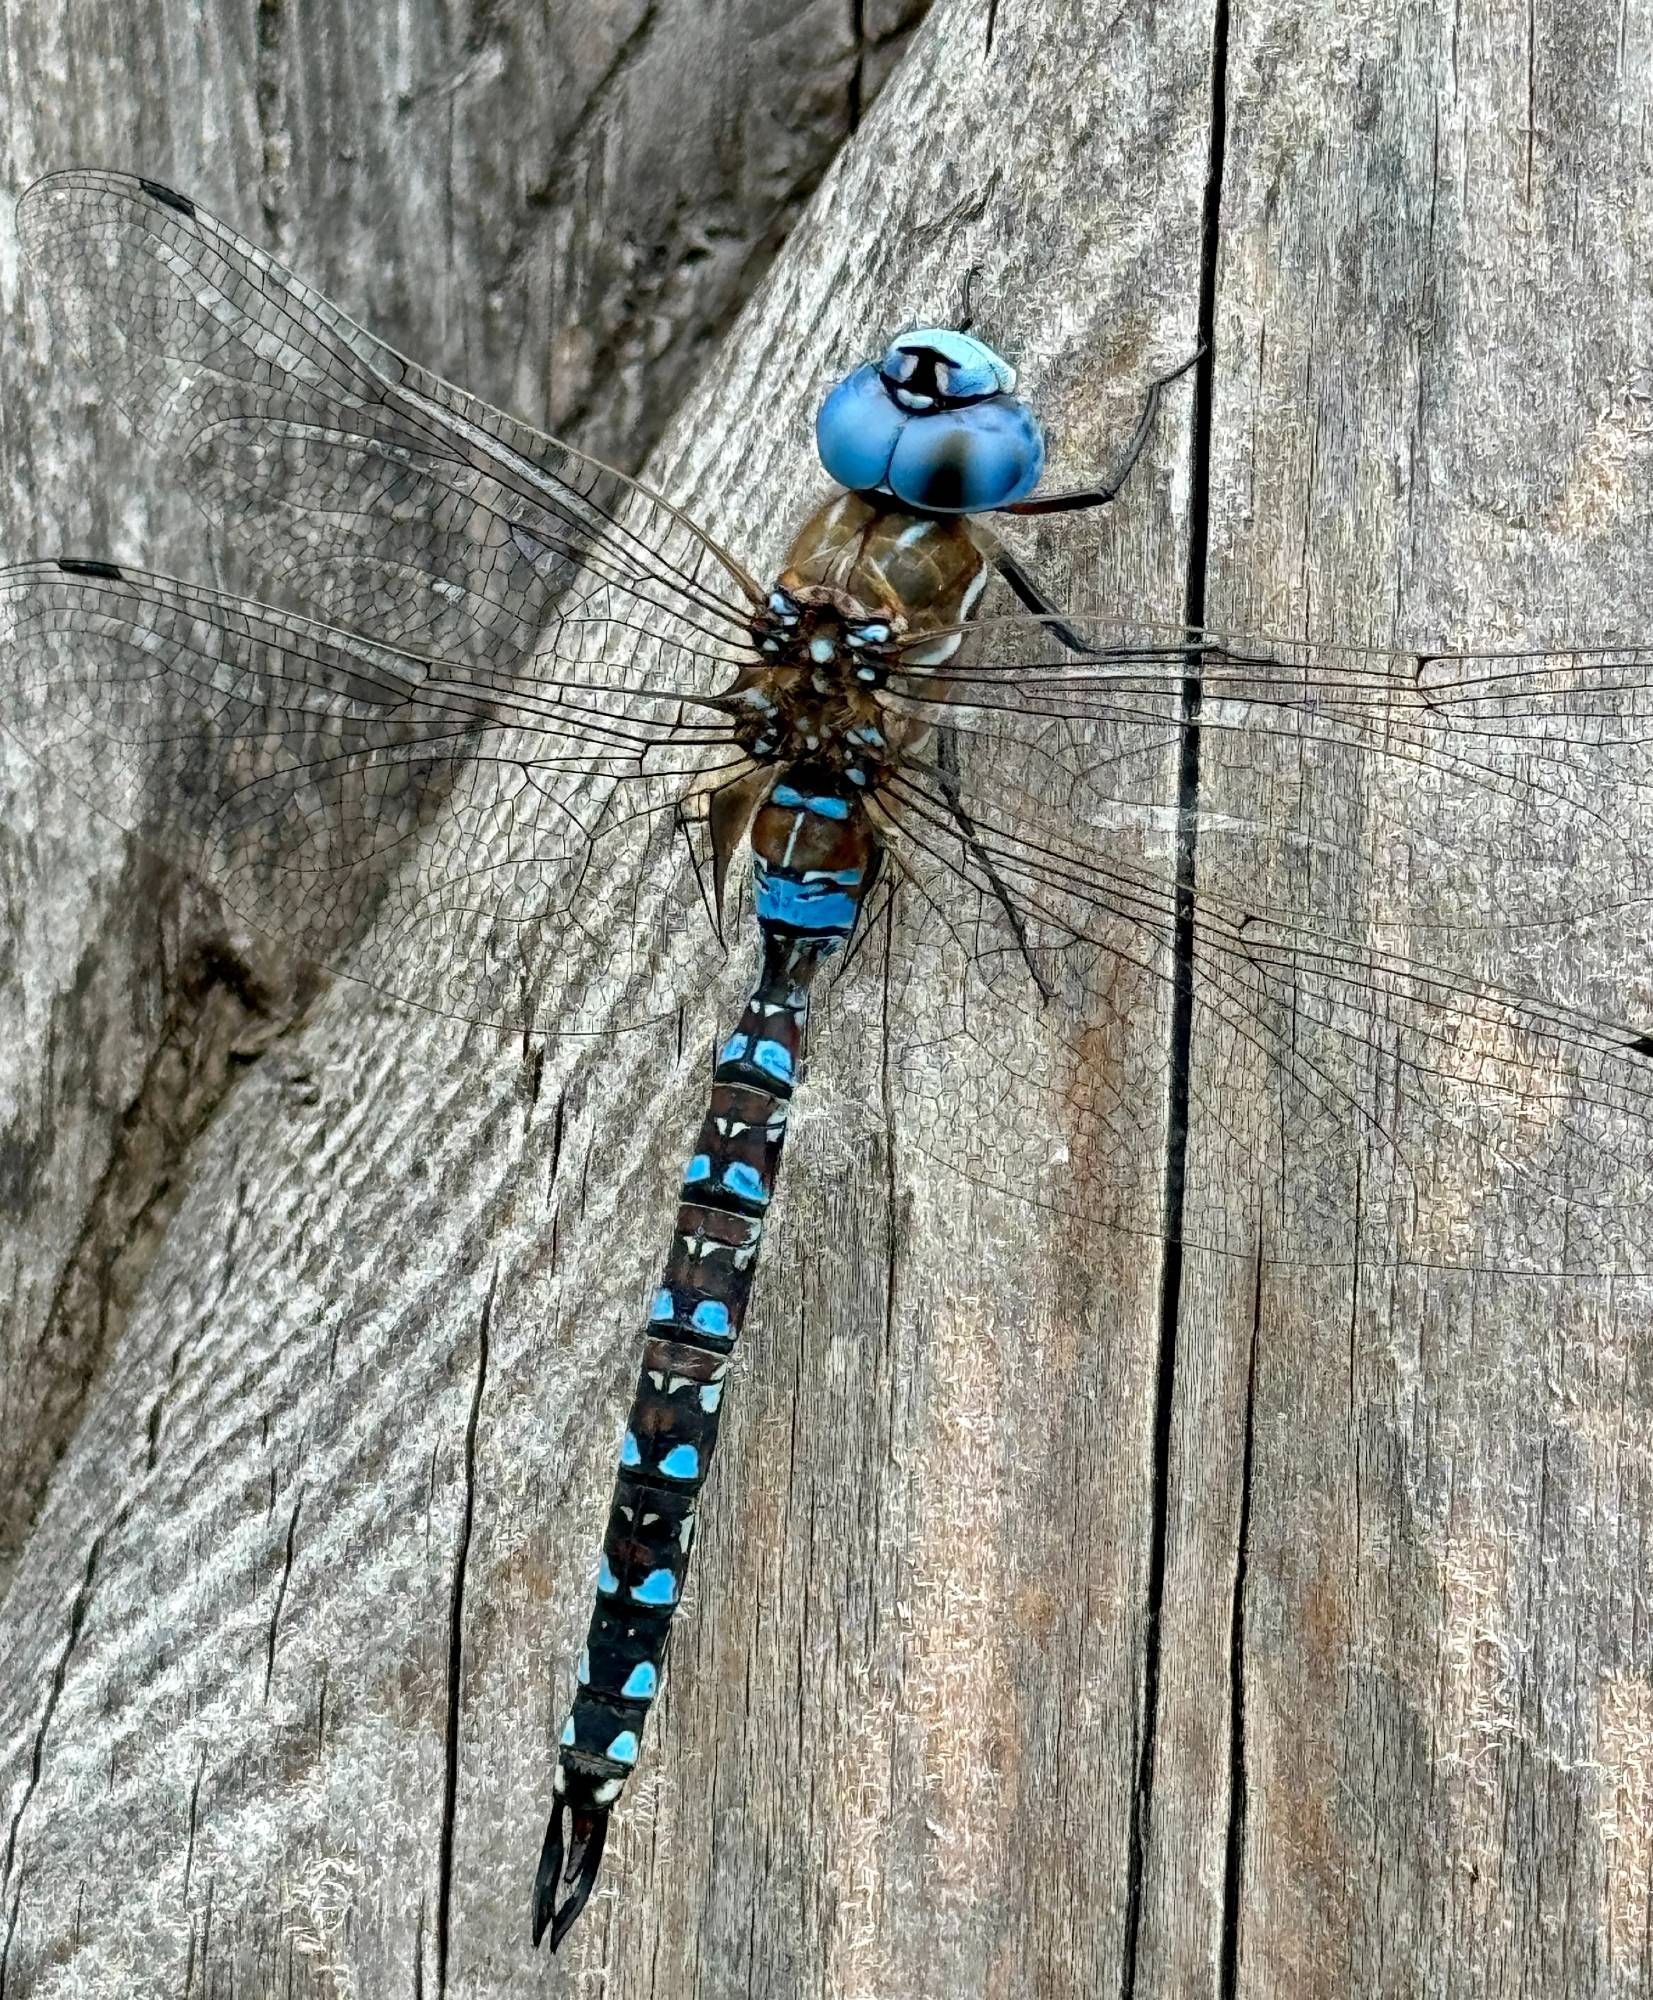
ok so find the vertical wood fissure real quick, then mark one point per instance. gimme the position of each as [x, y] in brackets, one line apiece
[281, 1596]
[60, 1675]
[858, 67]
[1180, 1039]
[456, 1650]
[1234, 1855]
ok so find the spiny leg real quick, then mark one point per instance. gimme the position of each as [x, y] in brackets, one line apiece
[1088, 496]
[1099, 496]
[1030, 594]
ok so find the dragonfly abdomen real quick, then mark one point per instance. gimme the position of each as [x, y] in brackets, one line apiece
[815, 857]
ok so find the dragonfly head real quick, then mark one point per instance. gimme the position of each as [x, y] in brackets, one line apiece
[935, 424]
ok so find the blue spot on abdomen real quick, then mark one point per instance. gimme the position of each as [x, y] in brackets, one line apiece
[822, 804]
[774, 1059]
[658, 1587]
[744, 1180]
[821, 904]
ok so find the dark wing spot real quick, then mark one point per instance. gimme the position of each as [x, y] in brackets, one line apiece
[165, 195]
[1641, 1046]
[80, 566]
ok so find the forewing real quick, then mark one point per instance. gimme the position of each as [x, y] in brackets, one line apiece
[1398, 989]
[386, 499]
[473, 844]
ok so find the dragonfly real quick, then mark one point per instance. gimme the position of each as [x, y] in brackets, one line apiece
[544, 737]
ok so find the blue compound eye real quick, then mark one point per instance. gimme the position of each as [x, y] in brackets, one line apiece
[934, 425]
[857, 430]
[964, 461]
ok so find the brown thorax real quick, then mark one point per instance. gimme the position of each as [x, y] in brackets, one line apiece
[813, 698]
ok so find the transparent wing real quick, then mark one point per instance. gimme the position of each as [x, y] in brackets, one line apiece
[1382, 922]
[386, 499]
[478, 843]
[1562, 728]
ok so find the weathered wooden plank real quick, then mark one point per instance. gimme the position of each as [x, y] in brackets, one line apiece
[563, 216]
[1401, 1741]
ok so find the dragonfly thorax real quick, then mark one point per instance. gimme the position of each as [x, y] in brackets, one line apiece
[885, 563]
[814, 698]
[864, 586]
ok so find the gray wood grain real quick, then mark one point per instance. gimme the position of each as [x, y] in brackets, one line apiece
[1431, 426]
[1037, 1645]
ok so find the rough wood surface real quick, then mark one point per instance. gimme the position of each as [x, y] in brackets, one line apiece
[1043, 1642]
[1431, 426]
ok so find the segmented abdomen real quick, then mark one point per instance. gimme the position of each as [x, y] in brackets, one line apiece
[672, 1429]
[814, 853]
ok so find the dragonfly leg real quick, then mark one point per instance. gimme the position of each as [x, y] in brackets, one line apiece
[567, 1861]
[1031, 595]
[967, 315]
[1099, 496]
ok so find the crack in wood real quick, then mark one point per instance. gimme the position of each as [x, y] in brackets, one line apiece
[1234, 1850]
[268, 100]
[456, 1650]
[281, 1595]
[11, 1929]
[194, 1821]
[224, 1016]
[856, 105]
[1181, 1039]
[60, 1675]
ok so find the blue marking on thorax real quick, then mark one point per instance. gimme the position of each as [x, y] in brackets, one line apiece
[711, 1316]
[629, 1454]
[607, 1581]
[735, 1048]
[681, 1462]
[567, 1737]
[698, 1169]
[662, 1307]
[642, 1683]
[623, 1749]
